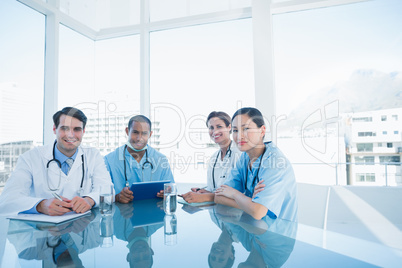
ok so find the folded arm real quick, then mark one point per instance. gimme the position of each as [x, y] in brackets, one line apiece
[229, 196]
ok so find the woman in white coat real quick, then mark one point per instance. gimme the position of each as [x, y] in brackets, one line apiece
[40, 173]
[221, 162]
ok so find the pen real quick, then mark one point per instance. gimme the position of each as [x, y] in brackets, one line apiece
[200, 188]
[58, 197]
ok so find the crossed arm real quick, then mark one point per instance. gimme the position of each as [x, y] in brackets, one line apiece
[229, 196]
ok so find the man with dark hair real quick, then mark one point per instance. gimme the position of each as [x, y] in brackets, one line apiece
[59, 177]
[136, 161]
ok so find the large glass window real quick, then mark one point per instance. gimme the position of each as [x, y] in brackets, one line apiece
[330, 63]
[22, 35]
[196, 70]
[102, 79]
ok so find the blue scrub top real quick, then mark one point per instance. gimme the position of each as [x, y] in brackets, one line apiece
[280, 192]
[115, 165]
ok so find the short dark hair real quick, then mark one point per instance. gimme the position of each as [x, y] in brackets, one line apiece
[70, 111]
[221, 115]
[139, 118]
[254, 114]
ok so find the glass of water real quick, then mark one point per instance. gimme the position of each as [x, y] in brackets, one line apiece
[169, 198]
[170, 227]
[106, 200]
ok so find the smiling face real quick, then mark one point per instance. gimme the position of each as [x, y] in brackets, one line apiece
[69, 134]
[218, 131]
[246, 133]
[138, 134]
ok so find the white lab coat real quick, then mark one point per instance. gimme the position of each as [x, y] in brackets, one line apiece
[222, 167]
[27, 185]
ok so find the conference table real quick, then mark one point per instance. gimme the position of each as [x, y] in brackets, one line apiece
[140, 234]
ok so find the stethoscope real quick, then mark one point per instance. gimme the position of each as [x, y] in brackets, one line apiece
[59, 164]
[228, 153]
[146, 162]
[256, 175]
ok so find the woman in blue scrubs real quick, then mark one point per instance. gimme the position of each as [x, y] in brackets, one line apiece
[263, 181]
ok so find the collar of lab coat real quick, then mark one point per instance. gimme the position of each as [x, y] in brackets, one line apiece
[47, 152]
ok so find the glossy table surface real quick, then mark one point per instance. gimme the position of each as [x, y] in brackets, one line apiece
[141, 235]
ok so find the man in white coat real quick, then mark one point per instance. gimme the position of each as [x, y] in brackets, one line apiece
[57, 178]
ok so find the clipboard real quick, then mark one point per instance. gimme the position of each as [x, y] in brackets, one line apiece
[147, 190]
[43, 218]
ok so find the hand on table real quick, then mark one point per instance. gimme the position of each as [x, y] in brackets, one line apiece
[160, 194]
[226, 191]
[199, 190]
[82, 204]
[125, 196]
[54, 207]
[193, 197]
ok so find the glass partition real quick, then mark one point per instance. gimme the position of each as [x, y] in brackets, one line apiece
[196, 70]
[338, 73]
[102, 79]
[22, 35]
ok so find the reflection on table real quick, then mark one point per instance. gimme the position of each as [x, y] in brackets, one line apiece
[139, 234]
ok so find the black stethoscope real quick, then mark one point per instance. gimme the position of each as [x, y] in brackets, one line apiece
[59, 164]
[256, 175]
[142, 167]
[228, 153]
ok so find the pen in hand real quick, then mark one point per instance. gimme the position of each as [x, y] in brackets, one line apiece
[58, 197]
[200, 188]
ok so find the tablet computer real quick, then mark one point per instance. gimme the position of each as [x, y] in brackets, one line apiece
[147, 190]
[147, 212]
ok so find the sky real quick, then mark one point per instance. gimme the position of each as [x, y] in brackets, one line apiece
[316, 48]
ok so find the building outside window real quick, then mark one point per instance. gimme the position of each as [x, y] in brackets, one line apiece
[365, 177]
[364, 160]
[390, 159]
[364, 147]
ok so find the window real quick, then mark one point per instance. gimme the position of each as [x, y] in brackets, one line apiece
[364, 147]
[22, 35]
[395, 117]
[216, 62]
[389, 145]
[366, 134]
[380, 144]
[102, 79]
[384, 132]
[301, 43]
[365, 177]
[366, 160]
[362, 119]
[396, 132]
[383, 118]
[390, 159]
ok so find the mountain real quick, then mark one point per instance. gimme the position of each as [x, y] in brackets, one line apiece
[365, 90]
